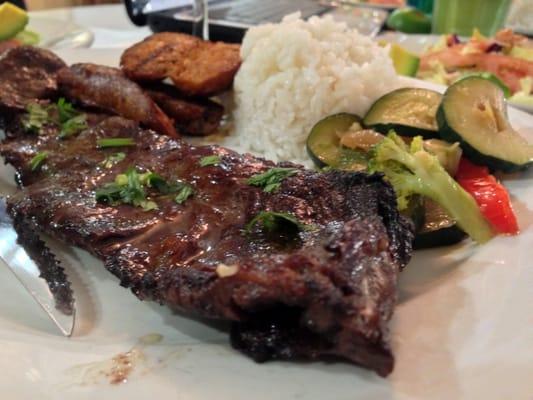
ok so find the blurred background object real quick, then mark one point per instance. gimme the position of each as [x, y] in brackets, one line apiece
[521, 17]
[462, 17]
[423, 5]
[44, 4]
[229, 19]
[409, 20]
[18, 3]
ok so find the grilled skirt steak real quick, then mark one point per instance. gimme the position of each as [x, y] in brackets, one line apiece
[27, 74]
[108, 89]
[195, 117]
[326, 290]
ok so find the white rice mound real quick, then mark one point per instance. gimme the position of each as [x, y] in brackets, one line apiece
[297, 72]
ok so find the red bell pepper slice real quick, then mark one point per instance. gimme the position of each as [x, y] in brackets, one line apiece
[490, 195]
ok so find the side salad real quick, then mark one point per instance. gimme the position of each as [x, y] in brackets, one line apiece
[438, 152]
[13, 22]
[507, 59]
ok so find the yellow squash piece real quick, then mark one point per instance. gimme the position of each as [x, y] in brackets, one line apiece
[12, 20]
[405, 63]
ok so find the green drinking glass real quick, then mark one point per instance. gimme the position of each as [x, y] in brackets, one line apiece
[463, 16]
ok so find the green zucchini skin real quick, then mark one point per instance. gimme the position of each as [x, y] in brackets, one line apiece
[404, 130]
[439, 238]
[416, 211]
[479, 140]
[448, 134]
[324, 134]
[438, 229]
[381, 116]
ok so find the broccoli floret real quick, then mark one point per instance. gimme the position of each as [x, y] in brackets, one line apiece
[412, 170]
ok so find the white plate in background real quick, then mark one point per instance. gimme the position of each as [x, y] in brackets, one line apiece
[58, 34]
[416, 43]
[462, 329]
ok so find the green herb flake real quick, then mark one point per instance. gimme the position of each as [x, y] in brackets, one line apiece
[73, 126]
[65, 111]
[113, 159]
[134, 192]
[114, 142]
[159, 183]
[148, 205]
[210, 160]
[62, 115]
[272, 221]
[109, 193]
[37, 161]
[185, 192]
[36, 118]
[271, 180]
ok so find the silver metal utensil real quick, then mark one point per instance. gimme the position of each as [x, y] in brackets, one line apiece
[37, 269]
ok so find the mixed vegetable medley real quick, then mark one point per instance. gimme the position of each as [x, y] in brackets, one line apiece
[507, 59]
[438, 152]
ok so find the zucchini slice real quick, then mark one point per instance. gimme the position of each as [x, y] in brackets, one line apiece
[438, 230]
[474, 113]
[324, 143]
[408, 111]
[416, 210]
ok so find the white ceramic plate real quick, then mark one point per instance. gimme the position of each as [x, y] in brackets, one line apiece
[418, 43]
[59, 34]
[462, 329]
[415, 43]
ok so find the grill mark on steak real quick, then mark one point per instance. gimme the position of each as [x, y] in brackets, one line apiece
[195, 117]
[196, 67]
[108, 89]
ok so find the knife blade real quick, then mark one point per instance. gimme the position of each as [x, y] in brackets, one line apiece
[37, 269]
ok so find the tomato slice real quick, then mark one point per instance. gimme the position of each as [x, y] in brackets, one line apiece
[491, 196]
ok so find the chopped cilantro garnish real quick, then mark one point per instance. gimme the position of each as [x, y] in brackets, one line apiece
[185, 192]
[62, 115]
[65, 110]
[36, 118]
[210, 160]
[114, 142]
[73, 126]
[160, 184]
[271, 180]
[113, 159]
[130, 188]
[272, 221]
[127, 189]
[37, 161]
[157, 182]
